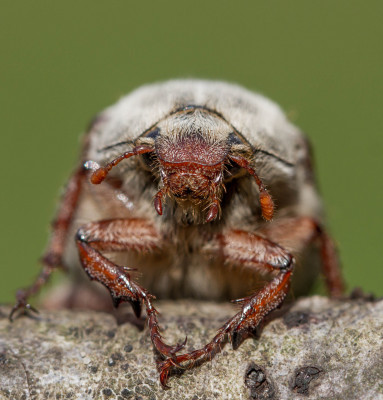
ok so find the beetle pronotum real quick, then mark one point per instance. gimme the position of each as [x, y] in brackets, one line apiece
[180, 178]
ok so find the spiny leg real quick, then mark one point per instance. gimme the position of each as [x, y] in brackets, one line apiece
[255, 252]
[120, 235]
[53, 256]
[263, 254]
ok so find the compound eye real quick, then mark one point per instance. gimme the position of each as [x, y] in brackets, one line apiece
[153, 134]
[234, 139]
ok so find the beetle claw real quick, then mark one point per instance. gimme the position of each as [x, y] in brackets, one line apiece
[165, 368]
[24, 308]
[179, 346]
[235, 339]
[164, 376]
[136, 306]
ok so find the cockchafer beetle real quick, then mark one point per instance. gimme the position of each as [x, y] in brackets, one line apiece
[201, 186]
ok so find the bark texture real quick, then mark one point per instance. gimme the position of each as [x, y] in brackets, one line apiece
[315, 348]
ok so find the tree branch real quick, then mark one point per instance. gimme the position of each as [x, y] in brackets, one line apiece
[315, 348]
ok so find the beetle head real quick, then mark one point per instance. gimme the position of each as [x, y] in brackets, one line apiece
[191, 149]
[191, 171]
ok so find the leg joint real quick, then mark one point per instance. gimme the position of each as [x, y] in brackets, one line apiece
[288, 263]
[81, 236]
[284, 262]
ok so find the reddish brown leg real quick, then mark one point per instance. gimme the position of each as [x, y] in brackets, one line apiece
[60, 227]
[295, 234]
[262, 254]
[120, 235]
[330, 265]
[256, 252]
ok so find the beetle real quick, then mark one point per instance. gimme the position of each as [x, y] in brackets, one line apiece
[202, 186]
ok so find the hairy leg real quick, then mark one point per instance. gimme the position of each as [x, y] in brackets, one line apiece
[121, 235]
[241, 247]
[261, 253]
[60, 227]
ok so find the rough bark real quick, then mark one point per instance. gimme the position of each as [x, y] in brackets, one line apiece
[315, 348]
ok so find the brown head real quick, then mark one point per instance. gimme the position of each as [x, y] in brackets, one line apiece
[192, 147]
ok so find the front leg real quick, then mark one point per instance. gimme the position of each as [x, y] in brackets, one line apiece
[122, 235]
[261, 253]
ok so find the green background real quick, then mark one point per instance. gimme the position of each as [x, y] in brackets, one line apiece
[63, 61]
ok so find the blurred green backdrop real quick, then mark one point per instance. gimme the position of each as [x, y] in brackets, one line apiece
[61, 62]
